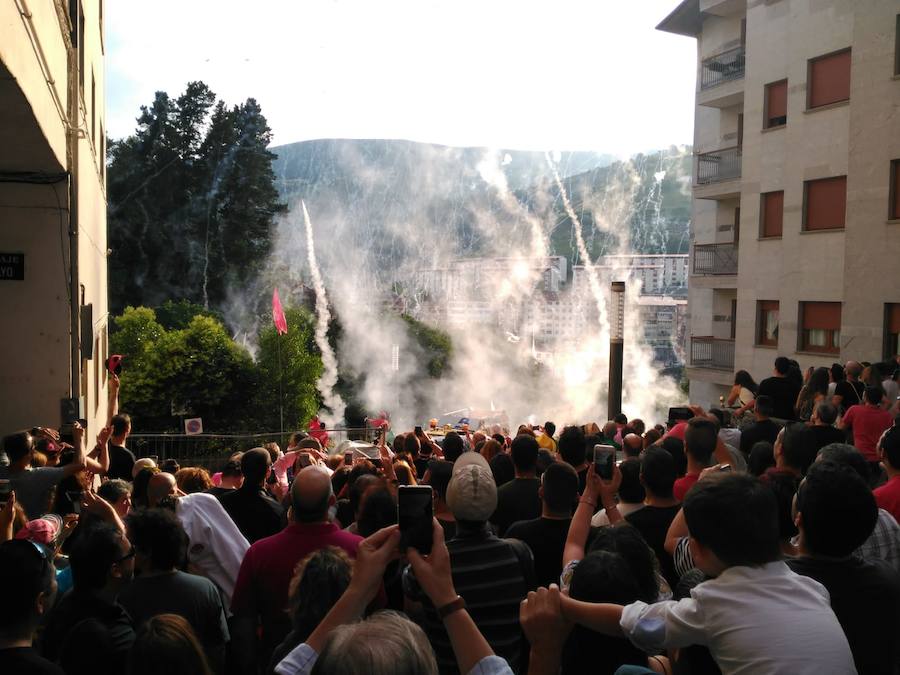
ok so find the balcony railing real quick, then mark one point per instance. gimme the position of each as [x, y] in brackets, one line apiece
[723, 67]
[710, 352]
[718, 165]
[716, 258]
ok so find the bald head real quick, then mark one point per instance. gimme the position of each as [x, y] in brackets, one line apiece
[161, 485]
[632, 444]
[853, 369]
[311, 495]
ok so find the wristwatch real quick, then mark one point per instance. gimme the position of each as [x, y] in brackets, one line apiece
[453, 606]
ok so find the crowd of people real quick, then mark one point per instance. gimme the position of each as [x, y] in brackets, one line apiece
[760, 536]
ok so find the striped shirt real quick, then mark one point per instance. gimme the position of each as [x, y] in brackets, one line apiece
[493, 576]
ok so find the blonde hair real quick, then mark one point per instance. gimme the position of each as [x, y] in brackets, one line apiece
[386, 643]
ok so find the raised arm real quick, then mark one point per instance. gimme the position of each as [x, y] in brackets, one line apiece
[596, 492]
[98, 460]
[113, 407]
[78, 462]
[677, 530]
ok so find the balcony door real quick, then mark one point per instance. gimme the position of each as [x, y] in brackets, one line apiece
[733, 318]
[737, 225]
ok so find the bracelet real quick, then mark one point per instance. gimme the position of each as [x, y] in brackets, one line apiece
[453, 606]
[587, 501]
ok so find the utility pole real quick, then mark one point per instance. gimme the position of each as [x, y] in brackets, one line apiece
[616, 347]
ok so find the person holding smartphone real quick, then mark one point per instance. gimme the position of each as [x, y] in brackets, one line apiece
[32, 486]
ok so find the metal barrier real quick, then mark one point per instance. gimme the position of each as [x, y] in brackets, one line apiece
[211, 451]
[716, 258]
[710, 352]
[718, 165]
[722, 68]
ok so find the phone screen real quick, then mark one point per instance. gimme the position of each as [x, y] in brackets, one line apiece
[417, 431]
[5, 489]
[414, 513]
[604, 458]
[74, 496]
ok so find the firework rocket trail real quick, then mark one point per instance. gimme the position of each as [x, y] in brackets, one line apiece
[596, 291]
[328, 380]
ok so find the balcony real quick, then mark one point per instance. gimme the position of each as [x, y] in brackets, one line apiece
[722, 68]
[710, 352]
[715, 259]
[718, 174]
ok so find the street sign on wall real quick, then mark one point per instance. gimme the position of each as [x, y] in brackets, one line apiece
[12, 266]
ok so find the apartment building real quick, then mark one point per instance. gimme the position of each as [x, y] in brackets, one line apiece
[53, 248]
[658, 274]
[796, 208]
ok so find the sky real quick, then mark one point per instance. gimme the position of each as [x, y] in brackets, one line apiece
[518, 74]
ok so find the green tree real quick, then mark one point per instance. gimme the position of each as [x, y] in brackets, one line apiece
[436, 346]
[292, 373]
[192, 201]
[198, 368]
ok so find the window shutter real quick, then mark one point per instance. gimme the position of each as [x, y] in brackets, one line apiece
[894, 318]
[829, 79]
[776, 103]
[773, 213]
[822, 315]
[826, 203]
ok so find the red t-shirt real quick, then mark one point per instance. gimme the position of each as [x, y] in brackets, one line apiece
[867, 423]
[683, 484]
[888, 497]
[262, 583]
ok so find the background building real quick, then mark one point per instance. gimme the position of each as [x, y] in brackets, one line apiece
[796, 210]
[53, 280]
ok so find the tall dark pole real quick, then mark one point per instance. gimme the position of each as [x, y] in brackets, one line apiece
[280, 385]
[616, 346]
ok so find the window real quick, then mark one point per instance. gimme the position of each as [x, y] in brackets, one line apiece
[897, 48]
[776, 104]
[891, 330]
[828, 79]
[894, 212]
[93, 110]
[820, 327]
[825, 203]
[767, 323]
[772, 212]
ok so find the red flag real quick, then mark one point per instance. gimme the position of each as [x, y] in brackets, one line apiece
[278, 314]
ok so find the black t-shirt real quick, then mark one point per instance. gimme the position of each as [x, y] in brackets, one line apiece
[817, 437]
[546, 537]
[81, 614]
[26, 661]
[121, 463]
[761, 430]
[516, 500]
[195, 598]
[218, 492]
[783, 392]
[851, 393]
[865, 597]
[255, 513]
[653, 523]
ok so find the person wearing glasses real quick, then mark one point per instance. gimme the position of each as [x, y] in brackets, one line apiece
[89, 615]
[25, 603]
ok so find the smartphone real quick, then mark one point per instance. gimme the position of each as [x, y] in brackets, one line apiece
[74, 496]
[414, 513]
[418, 430]
[604, 459]
[348, 458]
[679, 414]
[724, 467]
[5, 489]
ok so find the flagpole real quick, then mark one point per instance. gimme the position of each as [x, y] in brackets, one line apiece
[280, 385]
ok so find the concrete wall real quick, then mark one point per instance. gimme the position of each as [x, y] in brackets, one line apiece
[35, 353]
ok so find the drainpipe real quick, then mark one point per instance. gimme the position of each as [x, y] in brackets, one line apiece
[72, 136]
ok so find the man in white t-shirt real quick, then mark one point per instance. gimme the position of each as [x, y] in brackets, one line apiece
[754, 616]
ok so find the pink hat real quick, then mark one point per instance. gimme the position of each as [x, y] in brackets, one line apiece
[43, 530]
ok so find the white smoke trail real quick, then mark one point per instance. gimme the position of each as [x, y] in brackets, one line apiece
[328, 380]
[594, 283]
